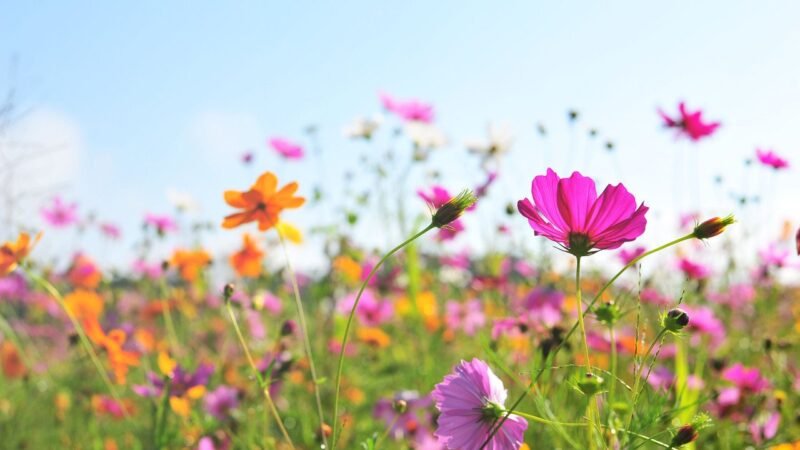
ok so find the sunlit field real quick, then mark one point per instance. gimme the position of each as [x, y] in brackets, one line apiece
[391, 272]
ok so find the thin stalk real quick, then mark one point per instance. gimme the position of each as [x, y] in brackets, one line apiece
[592, 406]
[552, 355]
[638, 374]
[350, 323]
[261, 384]
[306, 341]
[87, 345]
[544, 421]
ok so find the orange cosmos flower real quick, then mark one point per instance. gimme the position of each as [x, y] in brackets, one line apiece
[262, 203]
[247, 261]
[119, 359]
[11, 361]
[84, 305]
[84, 272]
[374, 337]
[189, 262]
[11, 253]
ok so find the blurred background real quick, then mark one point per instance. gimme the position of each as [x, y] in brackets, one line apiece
[132, 109]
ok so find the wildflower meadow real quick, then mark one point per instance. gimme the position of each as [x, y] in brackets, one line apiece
[375, 280]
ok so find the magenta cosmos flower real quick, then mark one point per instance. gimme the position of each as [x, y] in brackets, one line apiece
[163, 224]
[286, 148]
[470, 400]
[60, 214]
[771, 159]
[408, 110]
[569, 212]
[689, 124]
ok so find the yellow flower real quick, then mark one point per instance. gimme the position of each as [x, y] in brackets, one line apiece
[290, 232]
[166, 364]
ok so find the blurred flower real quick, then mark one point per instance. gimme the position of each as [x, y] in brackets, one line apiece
[771, 159]
[470, 400]
[409, 110]
[746, 379]
[247, 157]
[83, 272]
[12, 253]
[289, 232]
[261, 203]
[84, 304]
[370, 310]
[764, 427]
[106, 405]
[626, 255]
[569, 212]
[425, 137]
[189, 263]
[406, 421]
[163, 224]
[13, 287]
[11, 361]
[143, 268]
[543, 305]
[362, 128]
[467, 316]
[247, 260]
[182, 201]
[60, 214]
[374, 337]
[221, 401]
[773, 256]
[693, 270]
[689, 124]
[110, 230]
[498, 143]
[286, 148]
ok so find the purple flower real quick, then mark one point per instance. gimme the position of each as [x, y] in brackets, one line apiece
[471, 400]
[180, 383]
[569, 212]
[60, 214]
[221, 401]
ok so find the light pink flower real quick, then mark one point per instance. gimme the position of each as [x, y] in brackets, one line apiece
[569, 212]
[110, 230]
[467, 317]
[163, 224]
[286, 148]
[470, 400]
[689, 124]
[626, 255]
[370, 310]
[771, 159]
[60, 214]
[693, 270]
[409, 110]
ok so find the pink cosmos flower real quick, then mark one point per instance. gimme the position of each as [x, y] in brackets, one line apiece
[221, 401]
[470, 400]
[543, 305]
[406, 423]
[746, 379]
[370, 310]
[693, 270]
[467, 317]
[286, 148]
[689, 124]
[60, 214]
[771, 159]
[163, 224]
[569, 212]
[408, 110]
[627, 255]
[143, 268]
[773, 256]
[110, 230]
[764, 429]
[736, 295]
[703, 321]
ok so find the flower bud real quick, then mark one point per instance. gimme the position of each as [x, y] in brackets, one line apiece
[400, 406]
[288, 328]
[685, 435]
[453, 209]
[227, 292]
[713, 227]
[590, 384]
[675, 320]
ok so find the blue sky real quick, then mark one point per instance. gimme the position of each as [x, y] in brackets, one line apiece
[159, 95]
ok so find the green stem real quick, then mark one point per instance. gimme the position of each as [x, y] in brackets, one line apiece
[552, 355]
[638, 374]
[306, 341]
[541, 420]
[87, 345]
[261, 384]
[350, 322]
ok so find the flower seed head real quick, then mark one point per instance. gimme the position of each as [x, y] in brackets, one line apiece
[453, 209]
